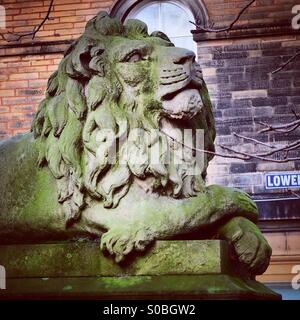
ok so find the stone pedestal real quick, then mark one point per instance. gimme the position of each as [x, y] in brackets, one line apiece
[168, 270]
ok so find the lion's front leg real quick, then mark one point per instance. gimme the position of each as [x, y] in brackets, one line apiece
[249, 246]
[163, 218]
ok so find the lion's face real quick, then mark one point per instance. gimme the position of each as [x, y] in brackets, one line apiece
[154, 67]
[119, 94]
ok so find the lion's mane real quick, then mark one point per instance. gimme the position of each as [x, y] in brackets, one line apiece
[83, 99]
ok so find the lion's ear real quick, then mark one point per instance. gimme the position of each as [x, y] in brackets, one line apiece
[85, 59]
[79, 59]
[97, 64]
[159, 34]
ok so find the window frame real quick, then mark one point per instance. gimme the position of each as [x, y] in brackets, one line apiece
[121, 9]
[195, 10]
[143, 4]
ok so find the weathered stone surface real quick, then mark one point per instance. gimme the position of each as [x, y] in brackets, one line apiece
[86, 259]
[118, 86]
[170, 269]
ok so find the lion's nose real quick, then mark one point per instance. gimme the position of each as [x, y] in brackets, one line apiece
[184, 56]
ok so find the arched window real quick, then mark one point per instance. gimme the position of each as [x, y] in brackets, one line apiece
[171, 17]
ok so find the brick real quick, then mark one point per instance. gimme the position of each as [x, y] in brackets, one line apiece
[40, 63]
[260, 84]
[284, 52]
[222, 130]
[272, 166]
[72, 19]
[46, 75]
[34, 10]
[23, 108]
[27, 17]
[283, 92]
[29, 92]
[241, 85]
[207, 72]
[68, 7]
[257, 70]
[236, 77]
[33, 69]
[13, 84]
[18, 64]
[217, 114]
[86, 12]
[56, 13]
[7, 93]
[241, 129]
[242, 103]
[281, 83]
[59, 26]
[242, 167]
[295, 99]
[213, 63]
[255, 54]
[247, 179]
[237, 113]
[23, 76]
[223, 104]
[102, 4]
[217, 80]
[263, 112]
[4, 110]
[3, 77]
[283, 109]
[230, 70]
[242, 47]
[249, 94]
[270, 101]
[14, 101]
[296, 83]
[230, 55]
[37, 83]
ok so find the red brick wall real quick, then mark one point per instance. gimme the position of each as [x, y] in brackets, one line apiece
[22, 86]
[68, 17]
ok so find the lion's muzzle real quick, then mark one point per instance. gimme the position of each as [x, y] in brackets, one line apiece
[185, 105]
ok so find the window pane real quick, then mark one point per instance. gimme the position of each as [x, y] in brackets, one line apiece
[169, 18]
[184, 42]
[175, 21]
[150, 15]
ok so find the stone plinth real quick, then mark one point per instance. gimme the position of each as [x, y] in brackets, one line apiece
[169, 269]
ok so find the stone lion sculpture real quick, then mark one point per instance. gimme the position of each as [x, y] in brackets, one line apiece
[62, 181]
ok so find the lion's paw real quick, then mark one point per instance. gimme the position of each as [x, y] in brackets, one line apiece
[120, 241]
[251, 249]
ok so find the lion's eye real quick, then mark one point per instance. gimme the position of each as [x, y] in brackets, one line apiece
[135, 57]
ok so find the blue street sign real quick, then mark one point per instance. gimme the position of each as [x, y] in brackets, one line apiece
[282, 180]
